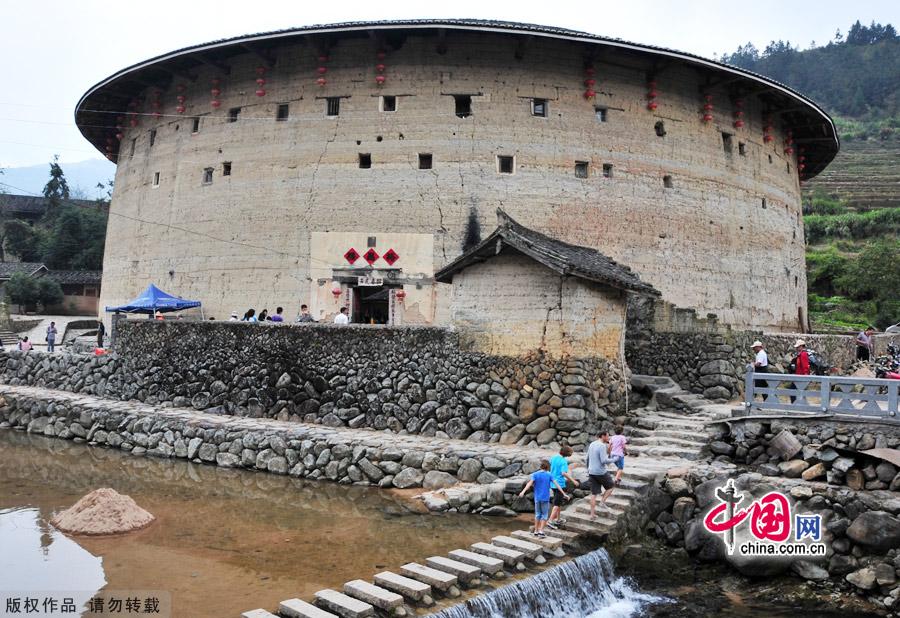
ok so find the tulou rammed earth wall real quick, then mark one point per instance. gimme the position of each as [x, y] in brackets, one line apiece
[408, 380]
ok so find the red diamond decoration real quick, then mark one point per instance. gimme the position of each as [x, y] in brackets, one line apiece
[390, 257]
[370, 256]
[351, 255]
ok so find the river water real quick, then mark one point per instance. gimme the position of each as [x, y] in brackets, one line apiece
[226, 541]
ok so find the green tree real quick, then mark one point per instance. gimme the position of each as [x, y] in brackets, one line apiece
[65, 240]
[875, 276]
[49, 292]
[23, 240]
[57, 188]
[22, 290]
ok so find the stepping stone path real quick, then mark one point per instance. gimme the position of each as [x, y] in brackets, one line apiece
[669, 433]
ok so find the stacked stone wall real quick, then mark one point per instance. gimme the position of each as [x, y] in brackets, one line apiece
[409, 380]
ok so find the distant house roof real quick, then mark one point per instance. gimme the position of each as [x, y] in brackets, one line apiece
[8, 269]
[566, 259]
[34, 206]
[69, 277]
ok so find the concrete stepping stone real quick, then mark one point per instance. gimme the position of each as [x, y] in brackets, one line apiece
[410, 588]
[489, 565]
[532, 550]
[342, 605]
[510, 557]
[258, 613]
[295, 608]
[465, 572]
[438, 579]
[547, 542]
[374, 595]
[567, 536]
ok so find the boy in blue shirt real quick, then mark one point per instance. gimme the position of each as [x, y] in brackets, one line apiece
[541, 480]
[559, 469]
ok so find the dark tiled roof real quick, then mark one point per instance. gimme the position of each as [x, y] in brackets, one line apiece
[8, 269]
[566, 259]
[32, 205]
[87, 277]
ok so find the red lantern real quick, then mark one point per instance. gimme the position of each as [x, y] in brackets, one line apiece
[738, 124]
[652, 105]
[261, 81]
[589, 94]
[261, 92]
[216, 103]
[401, 294]
[380, 79]
[590, 82]
[336, 291]
[801, 167]
[180, 109]
[322, 70]
[215, 92]
[707, 117]
[180, 98]
[789, 150]
[322, 81]
[380, 68]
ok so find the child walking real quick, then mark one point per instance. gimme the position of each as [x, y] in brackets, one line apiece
[541, 480]
[617, 447]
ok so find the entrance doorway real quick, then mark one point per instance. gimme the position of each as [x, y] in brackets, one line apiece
[371, 305]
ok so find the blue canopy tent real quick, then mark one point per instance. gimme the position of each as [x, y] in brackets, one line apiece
[152, 300]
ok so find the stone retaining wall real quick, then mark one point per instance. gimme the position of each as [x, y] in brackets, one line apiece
[413, 380]
[360, 457]
[705, 357]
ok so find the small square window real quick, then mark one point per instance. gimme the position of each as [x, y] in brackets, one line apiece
[660, 128]
[226, 168]
[770, 159]
[365, 160]
[727, 142]
[156, 179]
[742, 149]
[607, 170]
[332, 106]
[196, 126]
[152, 137]
[388, 104]
[371, 241]
[425, 161]
[463, 105]
[764, 202]
[600, 113]
[788, 168]
[233, 114]
[581, 169]
[667, 182]
[208, 176]
[539, 107]
[281, 114]
[505, 164]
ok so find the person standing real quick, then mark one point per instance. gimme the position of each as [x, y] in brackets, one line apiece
[342, 318]
[541, 480]
[602, 483]
[51, 336]
[864, 344]
[101, 333]
[278, 317]
[760, 365]
[801, 363]
[617, 448]
[304, 316]
[559, 470]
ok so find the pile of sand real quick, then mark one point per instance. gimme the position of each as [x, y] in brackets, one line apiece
[103, 511]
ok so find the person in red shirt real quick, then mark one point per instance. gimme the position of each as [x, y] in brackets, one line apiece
[801, 361]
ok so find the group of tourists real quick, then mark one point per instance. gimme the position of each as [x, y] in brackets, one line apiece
[25, 345]
[343, 316]
[551, 482]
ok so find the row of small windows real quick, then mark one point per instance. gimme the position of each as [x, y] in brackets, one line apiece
[506, 164]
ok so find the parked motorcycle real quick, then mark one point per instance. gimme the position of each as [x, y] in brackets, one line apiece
[888, 366]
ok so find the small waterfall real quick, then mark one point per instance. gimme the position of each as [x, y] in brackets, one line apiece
[585, 587]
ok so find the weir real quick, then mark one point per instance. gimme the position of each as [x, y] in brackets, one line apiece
[582, 587]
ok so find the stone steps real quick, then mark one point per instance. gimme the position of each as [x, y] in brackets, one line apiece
[531, 550]
[491, 566]
[295, 608]
[510, 557]
[410, 588]
[465, 573]
[660, 440]
[548, 543]
[261, 613]
[343, 605]
[439, 580]
[373, 595]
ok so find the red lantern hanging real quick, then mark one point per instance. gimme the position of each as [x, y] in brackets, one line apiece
[215, 103]
[589, 83]
[322, 81]
[322, 70]
[651, 96]
[380, 68]
[380, 79]
[260, 92]
[180, 98]
[215, 92]
[589, 94]
[707, 108]
[401, 294]
[260, 81]
[180, 109]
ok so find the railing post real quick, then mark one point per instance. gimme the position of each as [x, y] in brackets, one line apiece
[749, 395]
[825, 393]
[893, 389]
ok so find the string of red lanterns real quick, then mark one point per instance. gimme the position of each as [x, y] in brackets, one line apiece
[651, 95]
[767, 130]
[589, 82]
[801, 160]
[738, 113]
[789, 143]
[707, 107]
[380, 68]
[322, 70]
[215, 91]
[180, 108]
[260, 81]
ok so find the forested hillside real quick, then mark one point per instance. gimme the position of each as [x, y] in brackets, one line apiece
[853, 208]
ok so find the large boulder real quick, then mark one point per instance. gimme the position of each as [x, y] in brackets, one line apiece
[436, 479]
[877, 530]
[408, 477]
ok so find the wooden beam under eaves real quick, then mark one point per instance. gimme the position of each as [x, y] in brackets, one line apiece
[267, 58]
[224, 68]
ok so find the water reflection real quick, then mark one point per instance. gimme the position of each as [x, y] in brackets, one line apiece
[38, 561]
[223, 539]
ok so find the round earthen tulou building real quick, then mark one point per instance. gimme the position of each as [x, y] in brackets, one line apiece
[347, 164]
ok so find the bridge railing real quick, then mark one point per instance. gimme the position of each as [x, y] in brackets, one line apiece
[865, 397]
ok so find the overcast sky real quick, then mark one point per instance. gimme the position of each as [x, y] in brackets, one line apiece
[54, 50]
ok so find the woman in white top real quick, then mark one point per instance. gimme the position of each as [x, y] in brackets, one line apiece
[760, 365]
